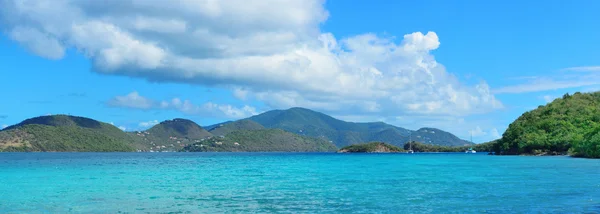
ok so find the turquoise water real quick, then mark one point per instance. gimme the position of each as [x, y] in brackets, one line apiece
[296, 183]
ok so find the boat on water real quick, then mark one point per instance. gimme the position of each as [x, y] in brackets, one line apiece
[410, 151]
[470, 150]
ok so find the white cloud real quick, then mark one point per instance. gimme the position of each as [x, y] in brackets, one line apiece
[131, 100]
[270, 50]
[495, 134]
[111, 123]
[583, 68]
[584, 76]
[477, 132]
[4, 126]
[148, 123]
[549, 98]
[37, 42]
[240, 93]
[546, 84]
[186, 107]
[122, 128]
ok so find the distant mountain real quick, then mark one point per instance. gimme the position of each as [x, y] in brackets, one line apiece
[438, 137]
[295, 129]
[59, 133]
[181, 128]
[211, 127]
[224, 129]
[315, 124]
[169, 135]
[241, 135]
[261, 140]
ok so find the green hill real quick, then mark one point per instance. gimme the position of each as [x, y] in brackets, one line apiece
[263, 140]
[315, 124]
[178, 127]
[224, 129]
[373, 147]
[213, 126]
[570, 124]
[169, 135]
[61, 133]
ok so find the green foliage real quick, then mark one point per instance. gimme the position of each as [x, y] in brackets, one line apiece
[60, 120]
[264, 140]
[169, 135]
[566, 124]
[589, 146]
[63, 133]
[422, 147]
[224, 129]
[178, 128]
[310, 123]
[371, 147]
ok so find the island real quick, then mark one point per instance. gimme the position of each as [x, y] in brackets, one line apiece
[372, 147]
[569, 125]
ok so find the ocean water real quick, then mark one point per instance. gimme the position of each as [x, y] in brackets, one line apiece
[296, 183]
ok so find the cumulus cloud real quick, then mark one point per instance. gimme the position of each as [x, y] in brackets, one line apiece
[549, 98]
[495, 134]
[4, 126]
[184, 106]
[38, 42]
[131, 100]
[477, 132]
[148, 123]
[273, 51]
[122, 128]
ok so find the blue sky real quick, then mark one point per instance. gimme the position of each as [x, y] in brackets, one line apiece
[462, 66]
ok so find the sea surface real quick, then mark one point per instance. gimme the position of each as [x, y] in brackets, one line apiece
[296, 183]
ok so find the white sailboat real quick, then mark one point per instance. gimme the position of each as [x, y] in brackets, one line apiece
[470, 150]
[410, 143]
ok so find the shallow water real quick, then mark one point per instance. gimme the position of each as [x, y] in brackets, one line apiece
[296, 183]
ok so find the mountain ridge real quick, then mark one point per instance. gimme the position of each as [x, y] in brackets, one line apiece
[297, 125]
[308, 122]
[64, 133]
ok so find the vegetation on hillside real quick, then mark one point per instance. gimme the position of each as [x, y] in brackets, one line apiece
[422, 147]
[372, 147]
[61, 133]
[224, 129]
[310, 123]
[178, 127]
[570, 124]
[264, 140]
[169, 135]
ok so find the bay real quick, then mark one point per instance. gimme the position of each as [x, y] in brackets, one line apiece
[296, 183]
